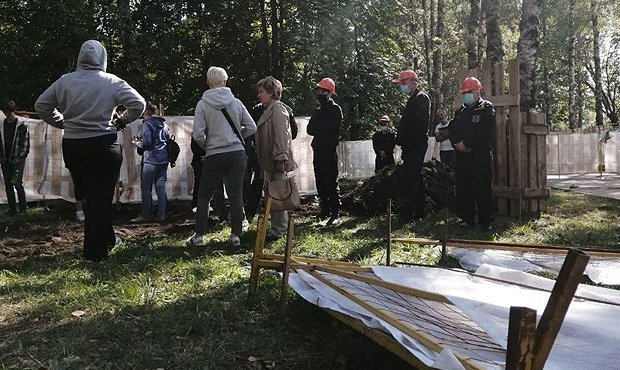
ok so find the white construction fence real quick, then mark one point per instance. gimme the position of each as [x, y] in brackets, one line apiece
[45, 176]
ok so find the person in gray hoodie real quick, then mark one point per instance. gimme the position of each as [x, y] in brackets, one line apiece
[225, 156]
[82, 103]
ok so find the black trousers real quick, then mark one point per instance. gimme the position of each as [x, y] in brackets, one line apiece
[473, 187]
[15, 172]
[95, 163]
[415, 201]
[326, 179]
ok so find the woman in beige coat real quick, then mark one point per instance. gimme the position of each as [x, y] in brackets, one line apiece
[274, 144]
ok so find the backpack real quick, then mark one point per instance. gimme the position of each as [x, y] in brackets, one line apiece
[292, 122]
[173, 150]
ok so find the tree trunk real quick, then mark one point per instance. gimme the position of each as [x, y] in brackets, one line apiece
[427, 40]
[528, 50]
[276, 66]
[495, 45]
[438, 57]
[265, 38]
[130, 56]
[598, 83]
[547, 97]
[473, 59]
[572, 85]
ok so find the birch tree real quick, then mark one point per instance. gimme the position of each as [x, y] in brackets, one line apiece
[527, 49]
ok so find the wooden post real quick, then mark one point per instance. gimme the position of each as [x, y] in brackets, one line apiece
[259, 244]
[521, 338]
[287, 263]
[561, 296]
[388, 252]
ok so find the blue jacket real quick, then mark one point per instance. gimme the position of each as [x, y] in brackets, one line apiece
[154, 140]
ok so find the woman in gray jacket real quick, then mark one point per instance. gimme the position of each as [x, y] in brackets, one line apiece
[225, 157]
[82, 103]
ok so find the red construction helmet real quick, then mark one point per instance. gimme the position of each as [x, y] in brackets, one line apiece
[471, 83]
[405, 75]
[327, 84]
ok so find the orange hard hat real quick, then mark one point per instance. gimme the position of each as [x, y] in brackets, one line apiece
[385, 118]
[407, 74]
[327, 84]
[471, 83]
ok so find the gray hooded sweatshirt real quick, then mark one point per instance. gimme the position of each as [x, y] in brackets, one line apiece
[211, 129]
[82, 102]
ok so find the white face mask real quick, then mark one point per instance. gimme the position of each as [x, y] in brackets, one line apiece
[384, 128]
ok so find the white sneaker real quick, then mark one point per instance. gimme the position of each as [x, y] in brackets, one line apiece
[245, 225]
[195, 241]
[79, 216]
[234, 240]
[194, 209]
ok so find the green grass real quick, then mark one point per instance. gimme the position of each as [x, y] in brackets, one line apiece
[156, 304]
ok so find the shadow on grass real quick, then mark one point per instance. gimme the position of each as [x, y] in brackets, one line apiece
[213, 328]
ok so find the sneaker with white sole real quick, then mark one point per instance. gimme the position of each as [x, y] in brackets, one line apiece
[79, 216]
[195, 241]
[234, 240]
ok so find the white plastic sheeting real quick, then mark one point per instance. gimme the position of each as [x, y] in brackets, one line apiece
[589, 338]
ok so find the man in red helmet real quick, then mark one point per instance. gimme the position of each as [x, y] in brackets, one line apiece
[472, 134]
[413, 140]
[324, 125]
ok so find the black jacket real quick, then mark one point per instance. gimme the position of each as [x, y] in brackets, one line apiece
[414, 123]
[384, 141]
[18, 145]
[324, 125]
[474, 126]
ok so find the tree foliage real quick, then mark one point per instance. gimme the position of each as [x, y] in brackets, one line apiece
[164, 47]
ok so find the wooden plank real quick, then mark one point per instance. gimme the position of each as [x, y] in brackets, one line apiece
[278, 257]
[287, 263]
[537, 193]
[388, 251]
[485, 78]
[506, 192]
[498, 79]
[504, 100]
[516, 247]
[561, 296]
[515, 160]
[514, 128]
[259, 244]
[500, 159]
[531, 169]
[521, 338]
[384, 340]
[541, 165]
[531, 129]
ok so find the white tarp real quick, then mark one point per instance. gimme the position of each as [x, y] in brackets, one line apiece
[600, 270]
[589, 338]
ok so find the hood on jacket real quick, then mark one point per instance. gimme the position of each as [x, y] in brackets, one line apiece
[219, 97]
[157, 121]
[92, 56]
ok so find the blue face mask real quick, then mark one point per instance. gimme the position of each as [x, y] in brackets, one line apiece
[405, 89]
[469, 98]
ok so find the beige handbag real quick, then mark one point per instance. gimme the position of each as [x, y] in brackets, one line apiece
[284, 194]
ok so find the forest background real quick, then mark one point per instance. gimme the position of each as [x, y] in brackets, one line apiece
[568, 51]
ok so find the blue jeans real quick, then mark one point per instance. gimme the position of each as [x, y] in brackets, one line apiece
[154, 174]
[229, 167]
[8, 173]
